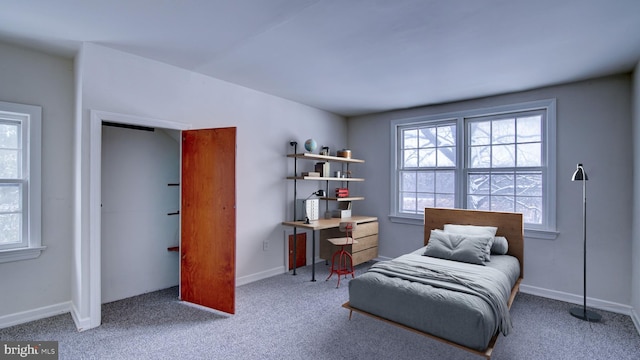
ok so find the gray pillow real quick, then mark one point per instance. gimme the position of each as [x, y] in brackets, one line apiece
[500, 245]
[457, 247]
[474, 230]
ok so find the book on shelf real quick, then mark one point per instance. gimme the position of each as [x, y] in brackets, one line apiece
[342, 192]
[311, 173]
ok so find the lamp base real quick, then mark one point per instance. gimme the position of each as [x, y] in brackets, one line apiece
[586, 315]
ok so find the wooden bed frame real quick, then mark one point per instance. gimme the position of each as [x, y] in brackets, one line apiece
[510, 225]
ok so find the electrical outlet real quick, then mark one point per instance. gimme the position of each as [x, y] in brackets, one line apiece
[265, 245]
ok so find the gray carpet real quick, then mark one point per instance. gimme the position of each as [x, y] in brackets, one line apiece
[290, 317]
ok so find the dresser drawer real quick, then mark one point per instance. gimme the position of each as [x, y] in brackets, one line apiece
[362, 230]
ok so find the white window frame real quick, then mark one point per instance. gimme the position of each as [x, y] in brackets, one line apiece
[30, 118]
[548, 230]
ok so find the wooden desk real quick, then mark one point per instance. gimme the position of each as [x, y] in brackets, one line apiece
[321, 224]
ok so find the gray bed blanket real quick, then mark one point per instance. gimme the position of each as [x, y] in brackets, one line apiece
[489, 284]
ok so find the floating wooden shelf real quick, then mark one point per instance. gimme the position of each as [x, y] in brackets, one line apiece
[323, 178]
[351, 198]
[310, 156]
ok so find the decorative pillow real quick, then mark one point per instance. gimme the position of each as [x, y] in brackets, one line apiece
[500, 245]
[474, 230]
[457, 247]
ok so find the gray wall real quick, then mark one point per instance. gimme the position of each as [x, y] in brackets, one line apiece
[594, 128]
[34, 78]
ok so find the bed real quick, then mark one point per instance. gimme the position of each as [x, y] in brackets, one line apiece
[464, 303]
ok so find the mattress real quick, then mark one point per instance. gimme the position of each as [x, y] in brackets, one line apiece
[450, 312]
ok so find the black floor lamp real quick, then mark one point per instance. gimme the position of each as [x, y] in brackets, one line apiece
[583, 313]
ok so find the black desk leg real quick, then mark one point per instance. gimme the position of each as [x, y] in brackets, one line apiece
[313, 256]
[295, 250]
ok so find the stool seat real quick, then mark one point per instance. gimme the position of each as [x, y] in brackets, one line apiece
[342, 261]
[342, 241]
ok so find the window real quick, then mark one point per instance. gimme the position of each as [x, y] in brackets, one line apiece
[499, 159]
[19, 181]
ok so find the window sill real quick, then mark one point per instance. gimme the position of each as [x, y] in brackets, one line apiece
[528, 233]
[20, 254]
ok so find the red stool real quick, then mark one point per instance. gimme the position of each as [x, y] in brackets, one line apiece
[344, 264]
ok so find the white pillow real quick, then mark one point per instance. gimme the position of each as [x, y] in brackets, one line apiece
[474, 230]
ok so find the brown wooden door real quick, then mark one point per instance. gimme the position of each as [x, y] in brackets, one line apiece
[208, 218]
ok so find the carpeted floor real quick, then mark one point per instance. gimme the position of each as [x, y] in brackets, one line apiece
[290, 317]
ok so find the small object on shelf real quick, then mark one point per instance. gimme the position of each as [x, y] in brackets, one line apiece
[342, 192]
[345, 153]
[310, 145]
[323, 169]
[311, 173]
[343, 210]
[324, 151]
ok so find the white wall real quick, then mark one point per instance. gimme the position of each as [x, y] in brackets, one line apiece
[137, 165]
[117, 82]
[42, 285]
[593, 128]
[635, 249]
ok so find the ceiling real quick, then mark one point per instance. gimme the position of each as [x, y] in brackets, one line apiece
[350, 57]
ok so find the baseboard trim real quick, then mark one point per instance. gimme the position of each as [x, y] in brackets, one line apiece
[636, 319]
[243, 280]
[82, 323]
[34, 314]
[576, 299]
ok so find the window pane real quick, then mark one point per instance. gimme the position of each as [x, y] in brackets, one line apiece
[426, 181]
[502, 203]
[529, 184]
[10, 225]
[503, 156]
[427, 137]
[446, 156]
[502, 184]
[408, 202]
[531, 209]
[530, 129]
[9, 167]
[410, 158]
[478, 184]
[476, 202]
[503, 131]
[410, 139]
[425, 200]
[427, 157]
[480, 133]
[408, 181]
[445, 182]
[10, 198]
[445, 200]
[9, 135]
[447, 135]
[480, 157]
[530, 154]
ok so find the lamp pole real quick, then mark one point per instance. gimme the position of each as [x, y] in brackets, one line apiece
[583, 313]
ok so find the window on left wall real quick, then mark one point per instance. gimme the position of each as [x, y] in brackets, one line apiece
[20, 181]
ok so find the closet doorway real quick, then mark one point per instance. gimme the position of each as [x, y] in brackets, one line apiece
[208, 259]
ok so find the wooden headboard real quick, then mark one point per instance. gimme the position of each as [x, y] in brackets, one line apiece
[510, 225]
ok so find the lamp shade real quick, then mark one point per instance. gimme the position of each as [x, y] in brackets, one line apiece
[579, 174]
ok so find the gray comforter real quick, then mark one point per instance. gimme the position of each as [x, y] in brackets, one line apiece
[459, 302]
[489, 284]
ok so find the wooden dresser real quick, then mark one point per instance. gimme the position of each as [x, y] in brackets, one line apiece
[366, 234]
